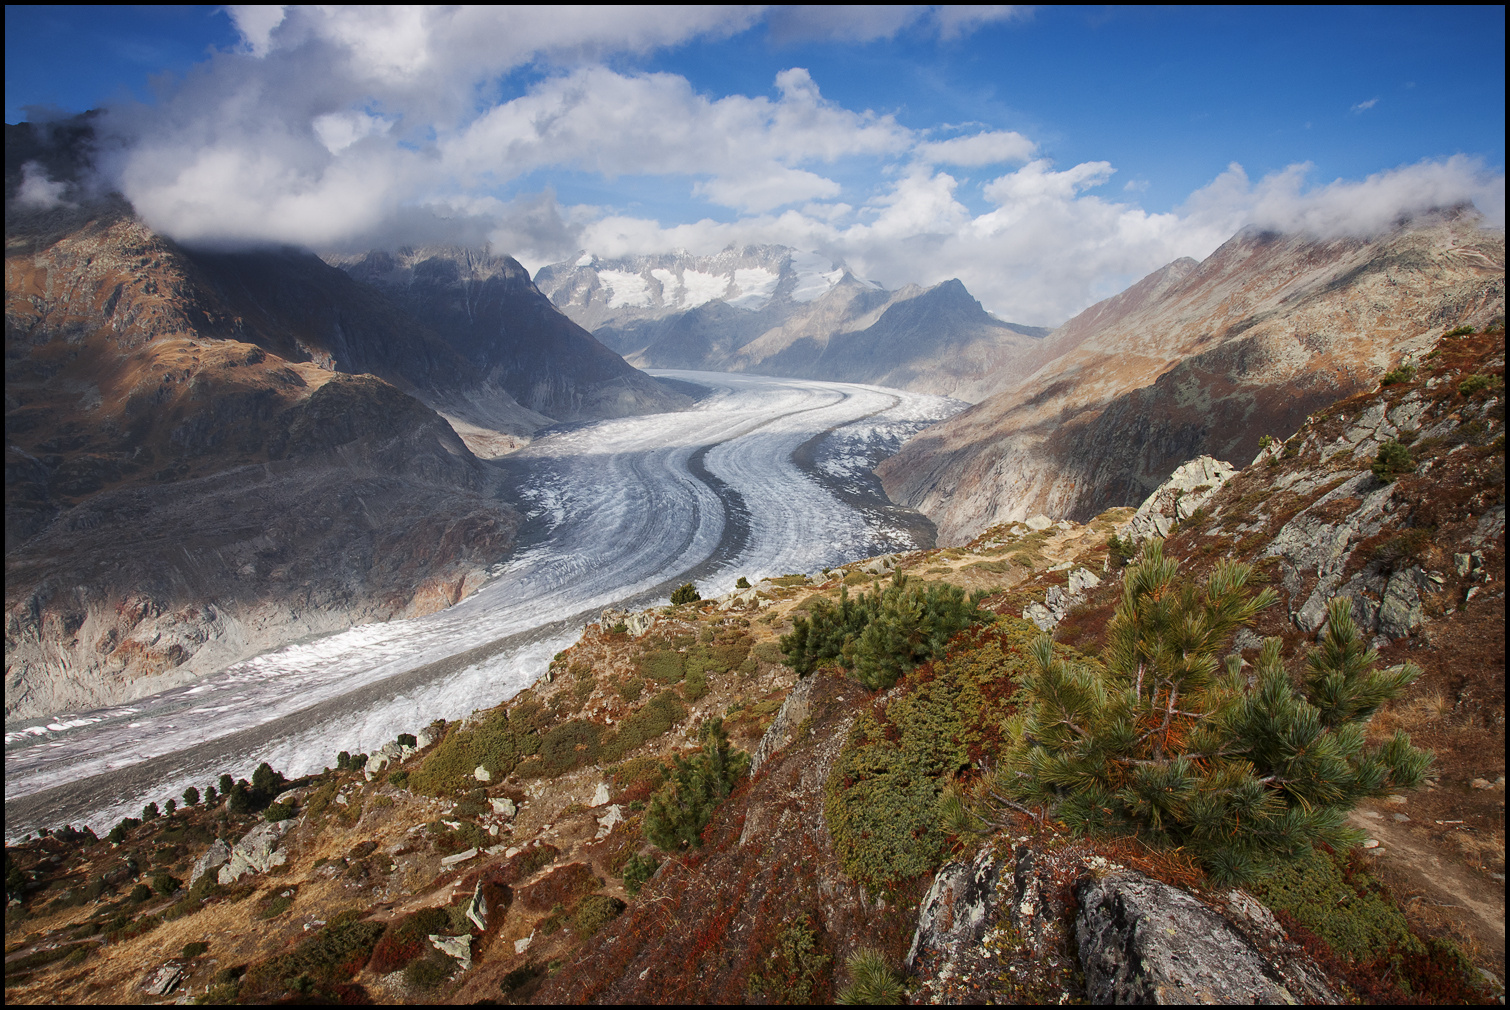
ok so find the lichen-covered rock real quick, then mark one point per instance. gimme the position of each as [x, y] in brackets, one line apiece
[1144, 942]
[458, 857]
[958, 907]
[1178, 498]
[1400, 610]
[477, 909]
[256, 852]
[459, 947]
[1315, 544]
[164, 980]
[1082, 579]
[636, 624]
[1057, 601]
[791, 714]
[375, 765]
[212, 859]
[1040, 615]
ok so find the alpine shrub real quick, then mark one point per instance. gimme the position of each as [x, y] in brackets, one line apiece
[1474, 383]
[686, 593]
[1393, 460]
[638, 871]
[1162, 743]
[595, 912]
[793, 973]
[884, 634]
[682, 807]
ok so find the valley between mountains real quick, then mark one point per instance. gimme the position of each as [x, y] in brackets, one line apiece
[403, 627]
[616, 513]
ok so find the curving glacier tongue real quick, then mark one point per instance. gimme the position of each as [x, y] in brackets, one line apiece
[763, 476]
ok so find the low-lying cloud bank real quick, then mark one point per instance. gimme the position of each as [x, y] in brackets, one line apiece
[342, 129]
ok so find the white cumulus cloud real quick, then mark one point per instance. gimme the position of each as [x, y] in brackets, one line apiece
[343, 128]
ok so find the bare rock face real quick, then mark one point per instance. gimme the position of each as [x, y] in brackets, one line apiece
[1198, 359]
[256, 852]
[1178, 498]
[1144, 942]
[489, 312]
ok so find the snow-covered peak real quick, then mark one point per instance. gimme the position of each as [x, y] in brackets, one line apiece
[594, 290]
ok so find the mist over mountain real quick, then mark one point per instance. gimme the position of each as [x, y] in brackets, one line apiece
[778, 311]
[210, 452]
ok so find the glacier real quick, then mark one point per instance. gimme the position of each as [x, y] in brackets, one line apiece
[763, 476]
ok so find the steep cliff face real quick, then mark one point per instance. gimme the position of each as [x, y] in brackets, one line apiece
[488, 311]
[1197, 359]
[194, 472]
[776, 311]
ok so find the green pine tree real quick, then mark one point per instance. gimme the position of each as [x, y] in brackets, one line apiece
[882, 635]
[681, 808]
[1164, 743]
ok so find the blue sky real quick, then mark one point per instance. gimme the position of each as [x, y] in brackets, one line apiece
[1102, 142]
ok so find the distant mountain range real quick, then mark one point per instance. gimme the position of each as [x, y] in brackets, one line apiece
[1197, 358]
[209, 453]
[778, 311]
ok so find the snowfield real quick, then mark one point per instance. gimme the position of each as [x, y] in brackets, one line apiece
[618, 514]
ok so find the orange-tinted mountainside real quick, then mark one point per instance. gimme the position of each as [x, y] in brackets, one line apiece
[210, 453]
[1198, 359]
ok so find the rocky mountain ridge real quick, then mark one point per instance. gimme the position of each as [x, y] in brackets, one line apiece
[777, 311]
[508, 857]
[1198, 358]
[486, 309]
[214, 452]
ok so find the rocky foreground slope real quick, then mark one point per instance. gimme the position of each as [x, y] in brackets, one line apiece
[1198, 358]
[772, 310]
[510, 858]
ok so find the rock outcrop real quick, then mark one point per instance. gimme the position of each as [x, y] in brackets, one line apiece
[256, 852]
[1178, 498]
[1198, 359]
[210, 861]
[1145, 942]
[998, 928]
[1057, 600]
